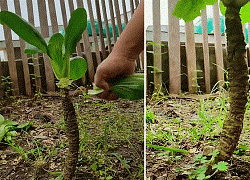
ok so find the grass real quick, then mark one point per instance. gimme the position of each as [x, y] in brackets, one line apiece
[191, 123]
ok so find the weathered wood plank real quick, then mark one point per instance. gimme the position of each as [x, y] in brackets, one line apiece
[217, 44]
[23, 55]
[50, 81]
[10, 54]
[118, 16]
[124, 11]
[205, 51]
[94, 34]
[191, 57]
[53, 16]
[64, 15]
[106, 24]
[157, 46]
[36, 66]
[87, 49]
[101, 35]
[112, 17]
[174, 51]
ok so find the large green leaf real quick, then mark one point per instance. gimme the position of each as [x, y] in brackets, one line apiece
[23, 29]
[188, 10]
[131, 87]
[55, 52]
[73, 33]
[30, 49]
[78, 67]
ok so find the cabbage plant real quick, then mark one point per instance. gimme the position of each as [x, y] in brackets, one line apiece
[59, 48]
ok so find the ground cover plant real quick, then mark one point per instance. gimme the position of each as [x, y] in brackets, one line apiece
[192, 123]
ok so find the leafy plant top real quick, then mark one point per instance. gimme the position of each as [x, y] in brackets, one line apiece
[59, 47]
[188, 10]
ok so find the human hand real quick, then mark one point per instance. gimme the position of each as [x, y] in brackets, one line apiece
[109, 70]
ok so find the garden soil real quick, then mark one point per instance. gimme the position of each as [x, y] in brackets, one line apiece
[111, 139]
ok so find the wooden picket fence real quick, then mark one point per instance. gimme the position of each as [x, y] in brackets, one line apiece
[94, 48]
[174, 45]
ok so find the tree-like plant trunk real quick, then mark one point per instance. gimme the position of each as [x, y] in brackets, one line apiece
[72, 133]
[238, 84]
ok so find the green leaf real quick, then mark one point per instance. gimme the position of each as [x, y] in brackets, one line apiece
[167, 148]
[25, 126]
[221, 166]
[188, 10]
[73, 32]
[78, 67]
[23, 29]
[131, 87]
[96, 90]
[243, 147]
[2, 132]
[55, 52]
[30, 49]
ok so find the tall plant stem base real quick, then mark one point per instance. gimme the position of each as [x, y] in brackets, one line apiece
[238, 84]
[72, 133]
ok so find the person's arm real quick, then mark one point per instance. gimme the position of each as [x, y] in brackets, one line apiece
[121, 61]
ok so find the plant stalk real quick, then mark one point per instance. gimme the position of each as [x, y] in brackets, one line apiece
[238, 84]
[72, 133]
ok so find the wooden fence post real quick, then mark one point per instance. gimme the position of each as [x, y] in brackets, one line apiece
[50, 81]
[217, 44]
[10, 54]
[36, 65]
[191, 57]
[24, 57]
[174, 51]
[157, 45]
[205, 50]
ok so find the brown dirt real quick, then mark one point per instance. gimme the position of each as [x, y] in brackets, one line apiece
[184, 109]
[44, 143]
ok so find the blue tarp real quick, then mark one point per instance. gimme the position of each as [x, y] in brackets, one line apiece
[210, 28]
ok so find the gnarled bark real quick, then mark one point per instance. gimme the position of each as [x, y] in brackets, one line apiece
[238, 84]
[72, 133]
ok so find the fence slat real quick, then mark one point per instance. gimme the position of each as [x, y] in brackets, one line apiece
[64, 16]
[106, 24]
[191, 57]
[174, 51]
[53, 16]
[118, 16]
[24, 56]
[101, 35]
[34, 57]
[50, 81]
[112, 17]
[217, 43]
[157, 46]
[132, 7]
[205, 50]
[87, 49]
[94, 34]
[1, 74]
[125, 12]
[10, 54]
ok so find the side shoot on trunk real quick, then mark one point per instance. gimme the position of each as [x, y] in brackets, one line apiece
[235, 12]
